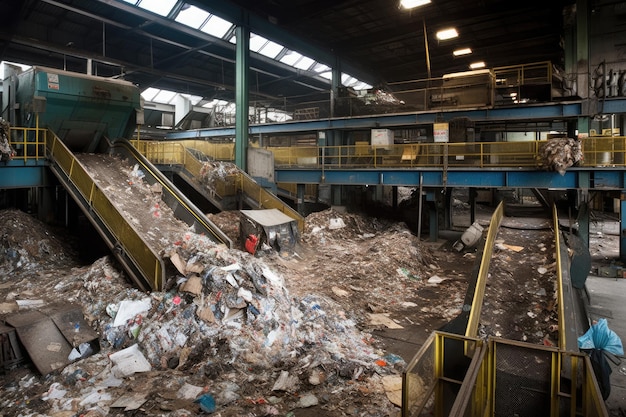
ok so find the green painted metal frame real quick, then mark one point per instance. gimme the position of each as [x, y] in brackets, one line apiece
[242, 92]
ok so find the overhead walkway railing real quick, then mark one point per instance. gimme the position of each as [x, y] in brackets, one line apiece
[180, 153]
[498, 378]
[597, 152]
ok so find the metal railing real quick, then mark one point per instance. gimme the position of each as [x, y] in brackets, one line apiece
[483, 272]
[178, 153]
[498, 378]
[597, 152]
[559, 279]
[119, 234]
[29, 143]
[429, 381]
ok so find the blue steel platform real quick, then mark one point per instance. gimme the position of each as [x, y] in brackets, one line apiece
[544, 111]
[585, 178]
[23, 174]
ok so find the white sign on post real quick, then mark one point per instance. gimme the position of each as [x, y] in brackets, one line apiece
[441, 132]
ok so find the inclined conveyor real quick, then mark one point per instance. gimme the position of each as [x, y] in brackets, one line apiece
[82, 112]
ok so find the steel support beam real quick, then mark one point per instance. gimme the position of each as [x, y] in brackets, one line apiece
[22, 176]
[601, 179]
[548, 112]
[242, 94]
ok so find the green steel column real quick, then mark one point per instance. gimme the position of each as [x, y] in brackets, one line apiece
[583, 126]
[241, 94]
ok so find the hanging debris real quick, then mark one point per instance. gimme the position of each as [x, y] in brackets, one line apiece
[6, 151]
[219, 177]
[558, 154]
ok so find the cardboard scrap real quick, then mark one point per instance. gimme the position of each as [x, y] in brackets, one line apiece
[193, 285]
[130, 401]
[392, 384]
[513, 247]
[178, 263]
[339, 292]
[383, 319]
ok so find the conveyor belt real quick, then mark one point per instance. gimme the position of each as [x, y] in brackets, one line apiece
[226, 189]
[135, 240]
[523, 291]
[511, 360]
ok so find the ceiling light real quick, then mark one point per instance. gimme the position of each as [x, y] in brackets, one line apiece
[451, 33]
[464, 51]
[411, 4]
[476, 65]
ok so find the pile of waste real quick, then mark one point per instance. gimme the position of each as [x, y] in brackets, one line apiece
[23, 247]
[228, 337]
[6, 151]
[558, 154]
[218, 177]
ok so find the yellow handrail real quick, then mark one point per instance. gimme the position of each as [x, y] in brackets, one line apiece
[125, 237]
[481, 280]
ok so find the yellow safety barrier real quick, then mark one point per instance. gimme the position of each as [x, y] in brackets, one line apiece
[179, 153]
[28, 142]
[559, 279]
[123, 235]
[483, 272]
[499, 377]
[600, 151]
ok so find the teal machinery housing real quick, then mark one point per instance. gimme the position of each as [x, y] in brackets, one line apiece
[80, 109]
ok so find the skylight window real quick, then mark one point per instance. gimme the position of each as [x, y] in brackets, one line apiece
[320, 68]
[347, 79]
[217, 27]
[360, 85]
[215, 103]
[192, 16]
[164, 97]
[133, 2]
[327, 74]
[271, 49]
[304, 63]
[291, 58]
[257, 42]
[193, 99]
[160, 7]
[264, 46]
[150, 93]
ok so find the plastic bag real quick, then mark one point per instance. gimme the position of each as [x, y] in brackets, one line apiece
[599, 336]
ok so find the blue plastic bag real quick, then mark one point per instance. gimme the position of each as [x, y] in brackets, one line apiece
[599, 336]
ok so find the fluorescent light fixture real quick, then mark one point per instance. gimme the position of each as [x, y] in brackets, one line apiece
[464, 51]
[411, 4]
[444, 34]
[476, 65]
